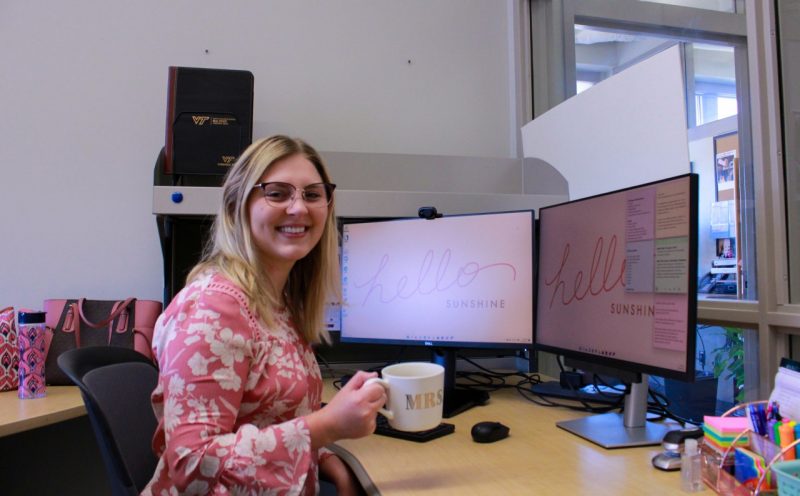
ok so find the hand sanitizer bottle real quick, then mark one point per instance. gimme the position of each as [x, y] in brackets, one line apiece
[691, 478]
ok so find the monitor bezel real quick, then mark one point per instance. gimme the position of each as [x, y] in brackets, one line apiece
[640, 368]
[453, 344]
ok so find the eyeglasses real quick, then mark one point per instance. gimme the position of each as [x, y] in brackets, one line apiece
[284, 194]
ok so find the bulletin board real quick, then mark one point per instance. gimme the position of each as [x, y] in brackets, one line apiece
[726, 182]
[726, 155]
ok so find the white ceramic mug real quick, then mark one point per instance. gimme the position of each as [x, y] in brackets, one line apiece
[416, 395]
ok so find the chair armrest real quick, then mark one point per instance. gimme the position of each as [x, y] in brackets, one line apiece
[358, 470]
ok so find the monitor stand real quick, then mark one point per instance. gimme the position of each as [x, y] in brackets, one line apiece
[455, 400]
[615, 430]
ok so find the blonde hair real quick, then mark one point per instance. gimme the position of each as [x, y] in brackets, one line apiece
[231, 251]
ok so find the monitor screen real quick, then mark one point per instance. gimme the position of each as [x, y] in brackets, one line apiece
[446, 283]
[617, 278]
[457, 281]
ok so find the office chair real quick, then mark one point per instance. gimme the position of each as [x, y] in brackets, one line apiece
[116, 384]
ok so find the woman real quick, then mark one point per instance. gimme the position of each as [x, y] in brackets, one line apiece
[239, 391]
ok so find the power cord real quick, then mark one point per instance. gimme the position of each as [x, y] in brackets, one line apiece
[492, 380]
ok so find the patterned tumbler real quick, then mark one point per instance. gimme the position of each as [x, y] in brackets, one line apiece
[31, 329]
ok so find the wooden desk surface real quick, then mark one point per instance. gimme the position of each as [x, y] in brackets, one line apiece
[537, 458]
[61, 403]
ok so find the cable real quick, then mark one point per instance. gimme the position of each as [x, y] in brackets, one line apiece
[489, 380]
[703, 354]
[489, 371]
[660, 405]
[538, 399]
[598, 378]
[523, 387]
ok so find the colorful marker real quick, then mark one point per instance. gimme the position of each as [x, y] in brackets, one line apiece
[786, 434]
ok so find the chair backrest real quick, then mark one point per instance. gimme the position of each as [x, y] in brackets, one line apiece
[116, 384]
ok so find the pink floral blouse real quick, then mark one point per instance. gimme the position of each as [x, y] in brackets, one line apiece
[231, 398]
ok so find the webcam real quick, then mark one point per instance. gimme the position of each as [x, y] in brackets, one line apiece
[429, 213]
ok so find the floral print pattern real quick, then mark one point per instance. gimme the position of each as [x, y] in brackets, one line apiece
[231, 398]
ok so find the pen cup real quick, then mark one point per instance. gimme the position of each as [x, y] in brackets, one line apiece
[31, 332]
[764, 446]
[719, 463]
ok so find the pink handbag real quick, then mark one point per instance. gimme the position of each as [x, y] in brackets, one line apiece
[79, 323]
[9, 351]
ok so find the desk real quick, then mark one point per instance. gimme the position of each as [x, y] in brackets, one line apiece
[55, 432]
[61, 403]
[537, 458]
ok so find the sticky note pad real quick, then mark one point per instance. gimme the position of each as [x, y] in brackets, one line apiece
[727, 425]
[749, 467]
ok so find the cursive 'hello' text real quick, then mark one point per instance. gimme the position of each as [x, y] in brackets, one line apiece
[433, 276]
[604, 258]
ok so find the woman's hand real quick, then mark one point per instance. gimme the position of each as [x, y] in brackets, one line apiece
[333, 469]
[350, 414]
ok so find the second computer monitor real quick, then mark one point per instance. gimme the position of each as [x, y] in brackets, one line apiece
[617, 286]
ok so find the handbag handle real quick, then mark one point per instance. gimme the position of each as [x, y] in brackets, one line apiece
[114, 313]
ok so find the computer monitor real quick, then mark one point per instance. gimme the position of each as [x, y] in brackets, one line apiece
[453, 282]
[617, 287]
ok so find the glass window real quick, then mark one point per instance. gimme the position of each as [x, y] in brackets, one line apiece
[726, 106]
[727, 374]
[600, 39]
[601, 53]
[788, 44]
[718, 5]
[727, 354]
[582, 86]
[714, 147]
[757, 143]
[714, 82]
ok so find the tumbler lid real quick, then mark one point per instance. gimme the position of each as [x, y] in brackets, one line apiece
[30, 317]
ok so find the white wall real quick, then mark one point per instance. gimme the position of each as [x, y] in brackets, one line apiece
[83, 99]
[602, 156]
[702, 153]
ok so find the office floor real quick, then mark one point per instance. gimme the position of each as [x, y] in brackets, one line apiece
[59, 459]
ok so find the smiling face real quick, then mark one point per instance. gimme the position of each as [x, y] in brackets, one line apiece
[284, 235]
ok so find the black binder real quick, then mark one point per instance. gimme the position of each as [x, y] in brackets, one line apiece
[209, 119]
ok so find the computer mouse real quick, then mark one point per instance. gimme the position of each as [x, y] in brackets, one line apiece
[489, 432]
[668, 461]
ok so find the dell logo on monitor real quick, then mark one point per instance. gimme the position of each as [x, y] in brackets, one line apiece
[428, 343]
